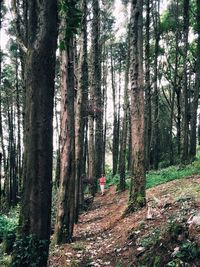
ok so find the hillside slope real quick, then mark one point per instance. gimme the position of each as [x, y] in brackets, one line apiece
[167, 230]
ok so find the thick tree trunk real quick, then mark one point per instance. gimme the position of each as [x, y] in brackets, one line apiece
[137, 197]
[39, 83]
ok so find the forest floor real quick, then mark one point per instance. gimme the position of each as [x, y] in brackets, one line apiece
[165, 233]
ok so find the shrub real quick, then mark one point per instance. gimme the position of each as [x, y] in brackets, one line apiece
[30, 251]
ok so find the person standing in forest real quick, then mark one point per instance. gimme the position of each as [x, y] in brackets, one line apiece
[102, 182]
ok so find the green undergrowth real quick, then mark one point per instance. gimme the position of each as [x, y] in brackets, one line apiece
[161, 176]
[8, 225]
[172, 173]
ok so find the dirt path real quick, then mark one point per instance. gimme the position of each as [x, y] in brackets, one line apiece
[102, 236]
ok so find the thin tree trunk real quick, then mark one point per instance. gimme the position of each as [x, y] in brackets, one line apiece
[122, 156]
[66, 202]
[193, 138]
[115, 143]
[148, 109]
[81, 105]
[96, 83]
[155, 132]
[185, 82]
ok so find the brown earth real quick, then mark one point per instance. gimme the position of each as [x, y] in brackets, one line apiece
[104, 237]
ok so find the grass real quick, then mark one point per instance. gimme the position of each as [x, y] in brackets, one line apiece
[161, 176]
[172, 173]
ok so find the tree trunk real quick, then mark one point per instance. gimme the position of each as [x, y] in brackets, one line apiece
[155, 131]
[65, 210]
[137, 197]
[115, 143]
[105, 97]
[185, 82]
[148, 109]
[39, 82]
[81, 105]
[122, 156]
[96, 83]
[193, 138]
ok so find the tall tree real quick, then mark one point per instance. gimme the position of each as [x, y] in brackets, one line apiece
[137, 197]
[96, 83]
[39, 83]
[194, 108]
[66, 202]
[81, 108]
[185, 142]
[155, 130]
[148, 108]
[123, 146]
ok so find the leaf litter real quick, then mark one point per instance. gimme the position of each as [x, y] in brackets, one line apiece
[154, 236]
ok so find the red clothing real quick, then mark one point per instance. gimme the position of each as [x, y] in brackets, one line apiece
[102, 180]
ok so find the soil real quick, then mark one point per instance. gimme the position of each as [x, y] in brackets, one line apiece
[149, 237]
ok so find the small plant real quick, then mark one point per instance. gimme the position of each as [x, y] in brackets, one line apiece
[30, 251]
[151, 239]
[78, 246]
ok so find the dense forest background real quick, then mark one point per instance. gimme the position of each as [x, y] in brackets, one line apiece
[91, 87]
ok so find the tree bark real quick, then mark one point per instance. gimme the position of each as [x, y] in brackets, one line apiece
[122, 155]
[39, 83]
[81, 106]
[137, 197]
[193, 138]
[185, 143]
[148, 108]
[66, 203]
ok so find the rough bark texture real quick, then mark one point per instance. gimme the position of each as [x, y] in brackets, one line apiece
[39, 83]
[137, 189]
[65, 209]
[155, 99]
[122, 155]
[96, 83]
[148, 109]
[81, 106]
[193, 138]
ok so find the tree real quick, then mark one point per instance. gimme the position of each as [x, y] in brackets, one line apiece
[39, 83]
[81, 109]
[185, 82]
[137, 197]
[66, 203]
[196, 91]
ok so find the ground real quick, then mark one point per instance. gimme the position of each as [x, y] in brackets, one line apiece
[165, 233]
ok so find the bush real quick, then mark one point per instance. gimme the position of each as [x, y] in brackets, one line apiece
[8, 226]
[30, 251]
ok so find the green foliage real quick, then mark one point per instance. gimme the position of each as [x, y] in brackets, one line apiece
[151, 239]
[72, 15]
[8, 226]
[171, 173]
[167, 22]
[187, 253]
[29, 251]
[78, 246]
